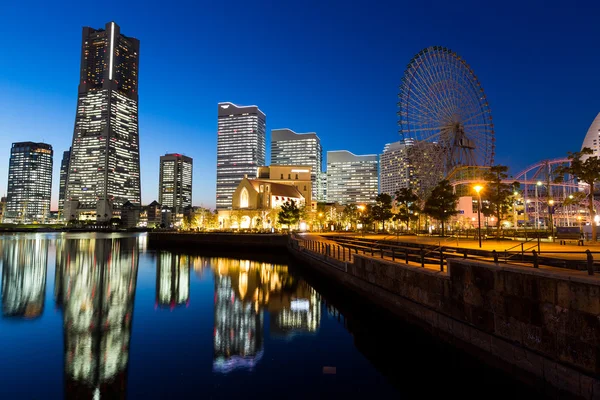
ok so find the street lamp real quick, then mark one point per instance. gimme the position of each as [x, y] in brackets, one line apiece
[478, 191]
[551, 211]
[361, 208]
[537, 207]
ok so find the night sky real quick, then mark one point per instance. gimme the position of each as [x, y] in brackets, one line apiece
[333, 69]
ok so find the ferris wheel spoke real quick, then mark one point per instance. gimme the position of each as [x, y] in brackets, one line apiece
[425, 83]
[443, 109]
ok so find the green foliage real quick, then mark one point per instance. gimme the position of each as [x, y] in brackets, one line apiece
[441, 203]
[289, 214]
[498, 194]
[586, 171]
[408, 206]
[350, 214]
[382, 210]
[366, 216]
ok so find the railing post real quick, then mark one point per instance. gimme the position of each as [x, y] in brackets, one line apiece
[372, 252]
[465, 254]
[590, 262]
[422, 258]
[393, 255]
[406, 255]
[535, 260]
[343, 253]
[441, 258]
[495, 254]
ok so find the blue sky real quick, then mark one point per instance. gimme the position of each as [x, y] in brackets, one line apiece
[331, 67]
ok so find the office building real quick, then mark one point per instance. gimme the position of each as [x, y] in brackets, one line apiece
[240, 148]
[291, 148]
[175, 182]
[394, 168]
[104, 171]
[64, 170]
[351, 179]
[29, 182]
[322, 187]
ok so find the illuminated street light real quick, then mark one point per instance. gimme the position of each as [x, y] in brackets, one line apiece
[478, 189]
[551, 211]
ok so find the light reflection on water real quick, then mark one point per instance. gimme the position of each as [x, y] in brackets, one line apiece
[96, 281]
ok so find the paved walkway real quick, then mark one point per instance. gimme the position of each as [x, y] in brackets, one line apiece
[570, 251]
[498, 245]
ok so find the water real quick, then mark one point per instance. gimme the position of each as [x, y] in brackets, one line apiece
[103, 316]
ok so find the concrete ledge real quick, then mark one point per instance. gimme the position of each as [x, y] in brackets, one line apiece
[543, 328]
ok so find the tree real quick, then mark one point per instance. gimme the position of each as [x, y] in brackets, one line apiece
[350, 214]
[382, 209]
[498, 194]
[289, 214]
[441, 203]
[408, 206]
[586, 170]
[366, 216]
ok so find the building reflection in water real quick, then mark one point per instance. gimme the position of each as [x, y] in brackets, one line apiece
[95, 286]
[24, 277]
[172, 280]
[244, 289]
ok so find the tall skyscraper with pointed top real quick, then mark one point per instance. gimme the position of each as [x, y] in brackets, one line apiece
[104, 168]
[241, 148]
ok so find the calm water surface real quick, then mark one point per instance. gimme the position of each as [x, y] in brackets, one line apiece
[102, 316]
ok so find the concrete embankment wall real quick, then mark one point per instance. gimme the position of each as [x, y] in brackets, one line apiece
[542, 325]
[219, 241]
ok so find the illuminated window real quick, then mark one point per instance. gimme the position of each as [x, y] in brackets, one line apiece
[244, 198]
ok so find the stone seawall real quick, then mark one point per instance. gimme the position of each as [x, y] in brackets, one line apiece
[541, 324]
[219, 241]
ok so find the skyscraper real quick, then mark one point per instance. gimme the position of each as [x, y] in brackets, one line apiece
[395, 169]
[175, 182]
[64, 170]
[104, 171]
[291, 148]
[29, 182]
[240, 148]
[351, 179]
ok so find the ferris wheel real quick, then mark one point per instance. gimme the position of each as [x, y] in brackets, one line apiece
[444, 116]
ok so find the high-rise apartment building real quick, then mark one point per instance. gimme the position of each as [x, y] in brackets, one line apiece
[322, 187]
[291, 148]
[395, 171]
[64, 170]
[175, 182]
[351, 179]
[29, 182]
[241, 148]
[104, 172]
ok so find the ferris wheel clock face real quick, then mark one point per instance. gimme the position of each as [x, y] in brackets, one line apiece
[444, 116]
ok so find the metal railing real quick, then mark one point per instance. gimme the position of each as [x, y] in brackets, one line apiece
[343, 248]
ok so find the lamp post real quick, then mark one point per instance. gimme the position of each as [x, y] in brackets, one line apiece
[478, 191]
[361, 208]
[551, 211]
[537, 207]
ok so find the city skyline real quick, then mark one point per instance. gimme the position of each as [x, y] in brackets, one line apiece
[531, 60]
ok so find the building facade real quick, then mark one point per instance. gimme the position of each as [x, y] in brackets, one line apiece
[291, 148]
[351, 179]
[241, 148]
[322, 187]
[104, 171]
[175, 182]
[29, 182]
[592, 138]
[64, 170]
[395, 171]
[299, 176]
